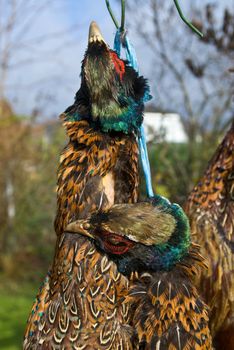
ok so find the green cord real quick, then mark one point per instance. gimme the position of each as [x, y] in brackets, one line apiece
[186, 21]
[122, 16]
[113, 16]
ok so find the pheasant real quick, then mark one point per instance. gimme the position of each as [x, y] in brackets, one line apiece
[150, 244]
[79, 304]
[210, 208]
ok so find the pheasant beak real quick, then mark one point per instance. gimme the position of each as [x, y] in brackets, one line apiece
[95, 35]
[81, 227]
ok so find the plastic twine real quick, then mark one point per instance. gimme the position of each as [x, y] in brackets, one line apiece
[121, 40]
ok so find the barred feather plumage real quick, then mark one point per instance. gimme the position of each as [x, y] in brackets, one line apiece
[210, 208]
[165, 309]
[79, 305]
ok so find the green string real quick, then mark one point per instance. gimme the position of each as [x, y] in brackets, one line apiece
[113, 16]
[186, 21]
[189, 24]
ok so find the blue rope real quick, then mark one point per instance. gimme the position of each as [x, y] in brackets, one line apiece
[145, 162]
[121, 40]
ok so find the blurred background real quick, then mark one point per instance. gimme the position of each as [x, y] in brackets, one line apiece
[41, 47]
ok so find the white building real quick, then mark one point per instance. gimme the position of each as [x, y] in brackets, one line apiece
[166, 126]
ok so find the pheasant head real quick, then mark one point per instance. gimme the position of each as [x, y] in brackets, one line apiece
[147, 236]
[112, 94]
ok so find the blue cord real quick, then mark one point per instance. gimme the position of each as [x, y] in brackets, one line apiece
[131, 57]
[145, 162]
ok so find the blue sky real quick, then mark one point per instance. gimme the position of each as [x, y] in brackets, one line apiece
[52, 79]
[56, 62]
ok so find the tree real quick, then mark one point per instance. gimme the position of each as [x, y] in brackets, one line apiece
[189, 75]
[23, 42]
[27, 177]
[29, 155]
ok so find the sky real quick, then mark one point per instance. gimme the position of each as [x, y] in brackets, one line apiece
[51, 77]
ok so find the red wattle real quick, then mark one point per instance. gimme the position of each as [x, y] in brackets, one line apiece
[119, 64]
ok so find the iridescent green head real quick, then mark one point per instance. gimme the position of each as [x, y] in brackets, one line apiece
[170, 252]
[147, 236]
[112, 94]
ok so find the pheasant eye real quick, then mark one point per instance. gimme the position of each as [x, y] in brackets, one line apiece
[117, 244]
[118, 64]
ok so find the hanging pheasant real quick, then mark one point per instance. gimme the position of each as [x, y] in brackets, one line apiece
[79, 304]
[210, 208]
[151, 240]
[99, 166]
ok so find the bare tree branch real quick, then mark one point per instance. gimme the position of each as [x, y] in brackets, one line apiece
[17, 48]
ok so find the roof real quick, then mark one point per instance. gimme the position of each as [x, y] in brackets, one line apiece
[164, 127]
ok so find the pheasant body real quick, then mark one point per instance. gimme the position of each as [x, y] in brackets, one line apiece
[150, 244]
[81, 301]
[80, 305]
[210, 208]
[94, 172]
[168, 311]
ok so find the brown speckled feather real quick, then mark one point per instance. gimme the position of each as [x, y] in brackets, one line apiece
[84, 309]
[79, 305]
[167, 311]
[210, 208]
[81, 279]
[87, 161]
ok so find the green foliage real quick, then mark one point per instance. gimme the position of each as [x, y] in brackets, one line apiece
[14, 311]
[176, 168]
[27, 237]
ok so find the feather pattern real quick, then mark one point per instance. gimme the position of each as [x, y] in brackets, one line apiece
[86, 161]
[210, 208]
[168, 312]
[84, 166]
[116, 219]
[79, 305]
[83, 311]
